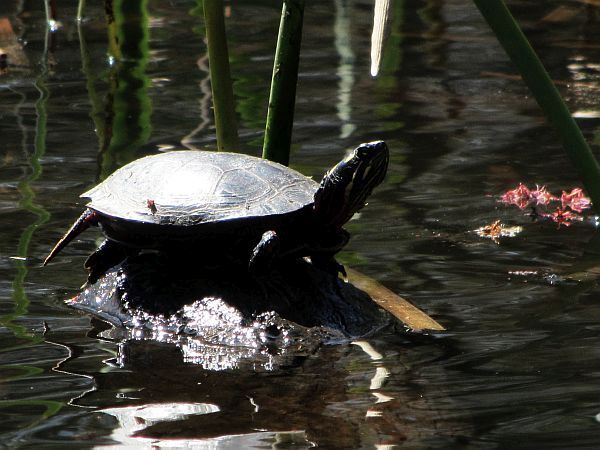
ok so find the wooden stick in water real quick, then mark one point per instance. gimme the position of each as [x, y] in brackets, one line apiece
[407, 313]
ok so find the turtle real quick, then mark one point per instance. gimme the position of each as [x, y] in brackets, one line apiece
[227, 208]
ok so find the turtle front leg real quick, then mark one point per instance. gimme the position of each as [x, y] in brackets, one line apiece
[323, 255]
[107, 255]
[265, 252]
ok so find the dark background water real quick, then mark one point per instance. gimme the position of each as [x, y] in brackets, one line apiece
[519, 365]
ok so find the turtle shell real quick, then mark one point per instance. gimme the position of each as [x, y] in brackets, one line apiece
[188, 188]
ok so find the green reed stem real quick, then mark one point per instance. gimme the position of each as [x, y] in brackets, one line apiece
[280, 116]
[220, 76]
[80, 9]
[537, 79]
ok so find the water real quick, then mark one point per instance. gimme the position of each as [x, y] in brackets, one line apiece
[518, 366]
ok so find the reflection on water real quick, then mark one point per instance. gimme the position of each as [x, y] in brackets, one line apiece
[132, 419]
[518, 367]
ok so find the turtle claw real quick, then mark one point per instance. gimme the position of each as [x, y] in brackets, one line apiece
[342, 271]
[330, 265]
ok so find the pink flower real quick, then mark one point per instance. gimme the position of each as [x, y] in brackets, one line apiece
[563, 217]
[520, 196]
[541, 196]
[575, 200]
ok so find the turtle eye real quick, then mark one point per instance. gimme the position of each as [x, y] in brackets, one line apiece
[363, 151]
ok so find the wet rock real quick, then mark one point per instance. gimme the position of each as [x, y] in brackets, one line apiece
[229, 319]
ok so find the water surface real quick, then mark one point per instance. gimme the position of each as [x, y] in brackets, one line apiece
[518, 366]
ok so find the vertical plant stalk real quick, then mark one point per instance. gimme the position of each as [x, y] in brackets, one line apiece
[80, 9]
[381, 21]
[537, 79]
[280, 116]
[220, 76]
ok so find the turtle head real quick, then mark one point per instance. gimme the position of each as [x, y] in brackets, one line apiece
[345, 188]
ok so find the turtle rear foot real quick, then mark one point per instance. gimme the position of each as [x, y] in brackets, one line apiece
[89, 217]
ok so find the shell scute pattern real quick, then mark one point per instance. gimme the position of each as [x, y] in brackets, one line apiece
[190, 187]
